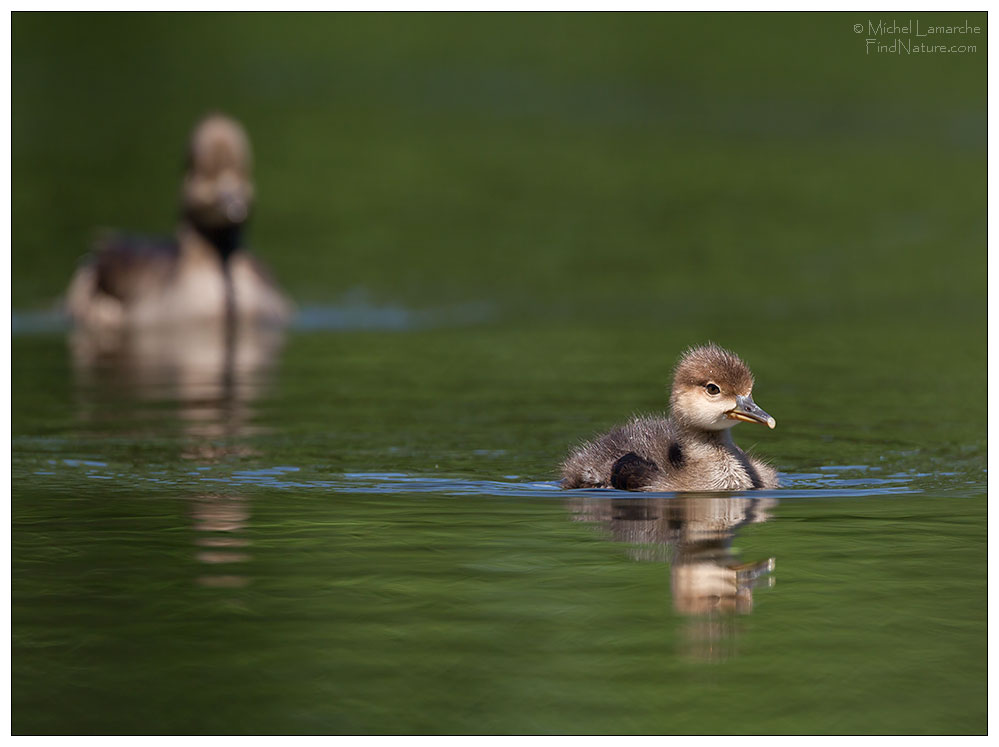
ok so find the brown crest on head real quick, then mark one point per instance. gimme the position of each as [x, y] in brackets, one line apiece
[218, 143]
[217, 194]
[710, 363]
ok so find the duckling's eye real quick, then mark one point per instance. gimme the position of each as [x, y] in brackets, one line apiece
[712, 388]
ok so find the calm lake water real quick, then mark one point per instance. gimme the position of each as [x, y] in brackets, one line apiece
[359, 530]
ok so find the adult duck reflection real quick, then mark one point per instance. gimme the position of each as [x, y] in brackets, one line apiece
[211, 375]
[220, 520]
[694, 533]
[196, 388]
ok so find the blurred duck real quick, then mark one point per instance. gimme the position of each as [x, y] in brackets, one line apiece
[204, 274]
[692, 449]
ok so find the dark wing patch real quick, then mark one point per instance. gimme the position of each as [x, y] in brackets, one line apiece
[632, 472]
[676, 456]
[129, 266]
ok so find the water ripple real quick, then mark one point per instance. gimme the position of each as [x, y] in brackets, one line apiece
[824, 484]
[355, 312]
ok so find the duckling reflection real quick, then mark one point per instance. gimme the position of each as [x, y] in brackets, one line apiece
[692, 449]
[694, 533]
[205, 273]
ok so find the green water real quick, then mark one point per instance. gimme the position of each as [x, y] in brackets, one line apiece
[502, 230]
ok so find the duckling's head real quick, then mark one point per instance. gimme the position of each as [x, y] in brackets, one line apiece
[218, 191]
[712, 391]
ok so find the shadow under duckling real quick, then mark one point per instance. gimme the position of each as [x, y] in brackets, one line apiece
[692, 449]
[204, 273]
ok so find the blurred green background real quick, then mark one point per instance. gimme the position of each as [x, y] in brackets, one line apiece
[555, 164]
[570, 200]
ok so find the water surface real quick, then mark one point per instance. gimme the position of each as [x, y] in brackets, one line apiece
[357, 534]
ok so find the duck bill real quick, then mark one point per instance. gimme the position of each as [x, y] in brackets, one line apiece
[235, 208]
[748, 411]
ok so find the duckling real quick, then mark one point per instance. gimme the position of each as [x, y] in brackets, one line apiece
[692, 449]
[204, 273]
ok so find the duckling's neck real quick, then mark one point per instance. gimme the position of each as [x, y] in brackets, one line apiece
[722, 446]
[714, 439]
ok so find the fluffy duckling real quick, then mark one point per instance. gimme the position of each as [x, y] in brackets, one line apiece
[204, 273]
[692, 449]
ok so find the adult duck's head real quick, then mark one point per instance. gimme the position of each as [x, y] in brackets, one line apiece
[217, 193]
[712, 391]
